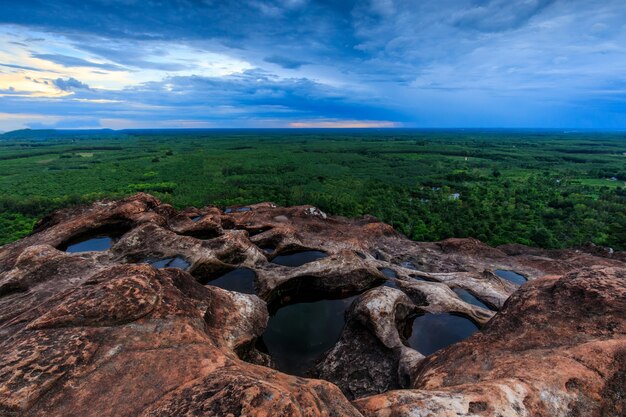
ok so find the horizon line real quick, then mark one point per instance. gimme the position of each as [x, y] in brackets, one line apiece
[552, 129]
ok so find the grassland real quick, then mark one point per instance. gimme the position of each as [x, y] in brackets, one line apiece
[548, 189]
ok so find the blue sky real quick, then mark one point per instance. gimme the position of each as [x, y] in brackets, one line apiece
[304, 63]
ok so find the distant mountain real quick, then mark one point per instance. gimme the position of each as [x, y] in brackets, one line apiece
[36, 134]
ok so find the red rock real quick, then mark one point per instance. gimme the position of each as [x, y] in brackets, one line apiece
[556, 349]
[97, 334]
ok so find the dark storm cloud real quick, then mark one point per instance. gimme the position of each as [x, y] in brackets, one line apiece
[268, 95]
[441, 62]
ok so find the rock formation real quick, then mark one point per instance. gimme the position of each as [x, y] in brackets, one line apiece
[109, 333]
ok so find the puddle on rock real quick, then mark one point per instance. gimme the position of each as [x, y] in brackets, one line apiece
[431, 332]
[173, 262]
[240, 280]
[421, 278]
[388, 272]
[512, 276]
[299, 258]
[238, 210]
[391, 283]
[268, 249]
[97, 240]
[469, 298]
[408, 265]
[96, 243]
[196, 219]
[297, 335]
[392, 276]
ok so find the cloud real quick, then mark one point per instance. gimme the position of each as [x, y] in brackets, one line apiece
[254, 92]
[13, 121]
[499, 15]
[71, 61]
[285, 62]
[22, 67]
[70, 84]
[343, 124]
[276, 62]
[252, 98]
[67, 123]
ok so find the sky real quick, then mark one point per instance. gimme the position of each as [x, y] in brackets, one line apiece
[302, 63]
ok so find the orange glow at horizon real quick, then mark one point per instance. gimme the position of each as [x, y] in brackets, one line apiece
[344, 124]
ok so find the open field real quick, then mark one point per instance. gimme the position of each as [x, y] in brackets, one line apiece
[548, 189]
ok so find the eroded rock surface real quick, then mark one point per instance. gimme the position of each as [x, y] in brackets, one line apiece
[556, 349]
[103, 333]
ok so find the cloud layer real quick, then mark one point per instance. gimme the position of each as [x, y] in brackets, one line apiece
[282, 63]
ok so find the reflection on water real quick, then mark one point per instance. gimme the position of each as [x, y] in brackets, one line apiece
[239, 210]
[174, 262]
[95, 243]
[512, 276]
[408, 265]
[469, 298]
[431, 332]
[388, 272]
[299, 258]
[240, 280]
[298, 334]
[391, 283]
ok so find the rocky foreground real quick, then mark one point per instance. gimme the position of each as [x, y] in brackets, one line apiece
[100, 333]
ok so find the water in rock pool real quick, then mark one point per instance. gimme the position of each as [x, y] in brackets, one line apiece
[469, 298]
[239, 280]
[299, 258]
[431, 332]
[239, 210]
[512, 276]
[174, 262]
[408, 265]
[391, 283]
[418, 278]
[298, 334]
[388, 272]
[93, 243]
[196, 218]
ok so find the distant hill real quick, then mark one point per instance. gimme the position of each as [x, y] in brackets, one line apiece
[43, 134]
[36, 134]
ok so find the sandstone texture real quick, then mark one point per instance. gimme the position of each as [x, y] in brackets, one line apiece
[104, 333]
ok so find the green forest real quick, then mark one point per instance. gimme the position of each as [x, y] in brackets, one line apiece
[541, 188]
